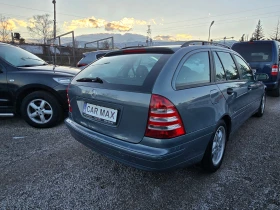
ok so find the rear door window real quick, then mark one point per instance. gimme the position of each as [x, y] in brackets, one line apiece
[195, 70]
[245, 69]
[126, 71]
[220, 72]
[229, 66]
[255, 52]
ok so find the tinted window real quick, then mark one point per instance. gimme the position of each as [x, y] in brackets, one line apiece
[245, 69]
[254, 52]
[130, 69]
[220, 72]
[229, 65]
[1, 68]
[19, 57]
[195, 70]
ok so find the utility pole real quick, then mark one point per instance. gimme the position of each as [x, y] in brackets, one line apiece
[54, 20]
[149, 35]
[54, 29]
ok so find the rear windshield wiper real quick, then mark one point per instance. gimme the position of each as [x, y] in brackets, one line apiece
[86, 79]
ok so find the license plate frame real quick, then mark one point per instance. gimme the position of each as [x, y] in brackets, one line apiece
[101, 113]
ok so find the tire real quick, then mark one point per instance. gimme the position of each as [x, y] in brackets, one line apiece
[276, 92]
[211, 163]
[261, 107]
[40, 109]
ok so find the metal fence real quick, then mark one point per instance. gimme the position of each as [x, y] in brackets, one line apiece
[55, 54]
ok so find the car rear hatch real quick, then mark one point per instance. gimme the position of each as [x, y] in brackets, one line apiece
[112, 96]
[260, 57]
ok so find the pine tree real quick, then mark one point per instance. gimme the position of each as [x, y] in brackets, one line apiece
[258, 34]
[276, 33]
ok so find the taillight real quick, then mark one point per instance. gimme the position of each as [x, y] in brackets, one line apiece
[164, 120]
[134, 51]
[68, 100]
[274, 70]
[81, 64]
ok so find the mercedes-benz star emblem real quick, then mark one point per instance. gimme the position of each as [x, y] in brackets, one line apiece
[94, 93]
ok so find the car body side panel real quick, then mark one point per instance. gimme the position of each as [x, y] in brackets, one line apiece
[5, 96]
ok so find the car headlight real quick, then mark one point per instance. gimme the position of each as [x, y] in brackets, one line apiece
[63, 80]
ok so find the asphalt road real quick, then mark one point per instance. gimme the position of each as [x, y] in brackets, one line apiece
[48, 169]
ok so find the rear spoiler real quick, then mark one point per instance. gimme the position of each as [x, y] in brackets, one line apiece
[159, 50]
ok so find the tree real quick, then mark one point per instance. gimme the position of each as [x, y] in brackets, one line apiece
[106, 45]
[5, 29]
[276, 33]
[41, 27]
[258, 34]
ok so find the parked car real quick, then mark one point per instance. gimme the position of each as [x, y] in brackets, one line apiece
[159, 108]
[263, 57]
[90, 57]
[32, 88]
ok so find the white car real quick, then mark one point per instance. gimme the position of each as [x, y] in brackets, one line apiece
[90, 57]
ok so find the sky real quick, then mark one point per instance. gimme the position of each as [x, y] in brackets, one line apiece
[169, 19]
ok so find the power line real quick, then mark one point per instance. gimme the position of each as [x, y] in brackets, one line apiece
[226, 14]
[219, 22]
[49, 12]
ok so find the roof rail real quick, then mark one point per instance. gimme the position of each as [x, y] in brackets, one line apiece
[132, 47]
[188, 43]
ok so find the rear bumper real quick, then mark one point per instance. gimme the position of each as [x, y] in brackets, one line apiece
[271, 85]
[141, 156]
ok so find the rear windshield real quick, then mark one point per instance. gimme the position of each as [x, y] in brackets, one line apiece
[255, 52]
[128, 71]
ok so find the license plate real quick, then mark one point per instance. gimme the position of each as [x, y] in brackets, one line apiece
[101, 113]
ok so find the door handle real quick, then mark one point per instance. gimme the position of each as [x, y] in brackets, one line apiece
[230, 91]
[250, 87]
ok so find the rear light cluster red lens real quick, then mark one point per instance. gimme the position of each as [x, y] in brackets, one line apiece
[164, 120]
[68, 100]
[275, 70]
[134, 51]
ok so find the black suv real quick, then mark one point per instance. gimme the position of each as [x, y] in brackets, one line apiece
[32, 88]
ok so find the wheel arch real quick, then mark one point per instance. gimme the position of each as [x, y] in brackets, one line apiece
[227, 119]
[34, 88]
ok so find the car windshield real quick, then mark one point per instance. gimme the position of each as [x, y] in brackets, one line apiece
[19, 57]
[131, 69]
[255, 52]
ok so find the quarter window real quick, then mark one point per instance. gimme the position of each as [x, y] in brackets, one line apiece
[195, 70]
[229, 65]
[245, 69]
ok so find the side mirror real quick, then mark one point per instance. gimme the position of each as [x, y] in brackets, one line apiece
[261, 77]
